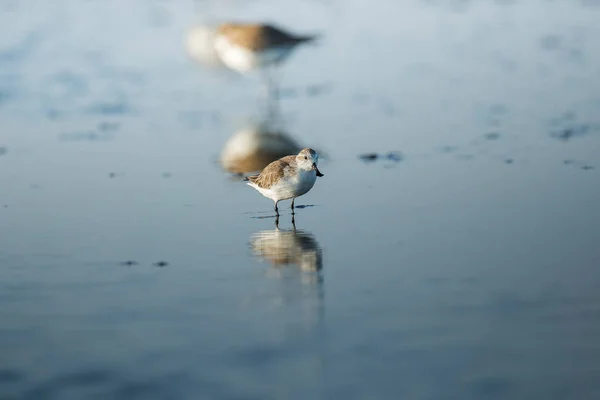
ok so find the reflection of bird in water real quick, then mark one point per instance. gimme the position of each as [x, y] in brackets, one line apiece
[244, 47]
[251, 150]
[300, 289]
[288, 247]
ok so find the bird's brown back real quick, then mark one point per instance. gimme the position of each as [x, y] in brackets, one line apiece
[273, 172]
[259, 36]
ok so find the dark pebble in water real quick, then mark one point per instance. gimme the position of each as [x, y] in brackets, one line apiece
[565, 134]
[161, 264]
[112, 175]
[3, 151]
[509, 161]
[574, 130]
[587, 167]
[391, 156]
[304, 206]
[394, 156]
[368, 157]
[129, 263]
[166, 175]
[568, 162]
[492, 136]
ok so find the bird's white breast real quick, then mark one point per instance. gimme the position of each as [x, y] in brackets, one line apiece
[294, 185]
[289, 186]
[306, 180]
[243, 59]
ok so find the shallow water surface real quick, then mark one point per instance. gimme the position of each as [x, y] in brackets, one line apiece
[449, 252]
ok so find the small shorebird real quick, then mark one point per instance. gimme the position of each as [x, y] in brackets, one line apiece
[287, 178]
[244, 47]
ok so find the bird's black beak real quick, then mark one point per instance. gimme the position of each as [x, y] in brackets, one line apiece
[317, 169]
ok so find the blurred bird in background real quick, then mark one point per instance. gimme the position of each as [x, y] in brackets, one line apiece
[245, 47]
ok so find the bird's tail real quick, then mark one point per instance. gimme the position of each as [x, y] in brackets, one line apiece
[307, 38]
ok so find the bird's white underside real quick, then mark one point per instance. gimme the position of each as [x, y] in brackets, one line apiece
[243, 60]
[289, 186]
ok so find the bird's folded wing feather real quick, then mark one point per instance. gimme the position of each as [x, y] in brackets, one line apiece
[273, 172]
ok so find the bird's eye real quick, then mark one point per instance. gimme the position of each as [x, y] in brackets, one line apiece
[306, 158]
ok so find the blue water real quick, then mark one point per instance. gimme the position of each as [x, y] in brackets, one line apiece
[132, 266]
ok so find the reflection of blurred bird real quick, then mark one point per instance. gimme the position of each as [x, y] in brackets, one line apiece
[253, 149]
[244, 47]
[288, 247]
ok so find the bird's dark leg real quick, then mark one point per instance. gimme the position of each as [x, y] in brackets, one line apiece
[294, 222]
[277, 221]
[294, 199]
[276, 209]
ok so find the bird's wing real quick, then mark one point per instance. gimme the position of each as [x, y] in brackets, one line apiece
[273, 172]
